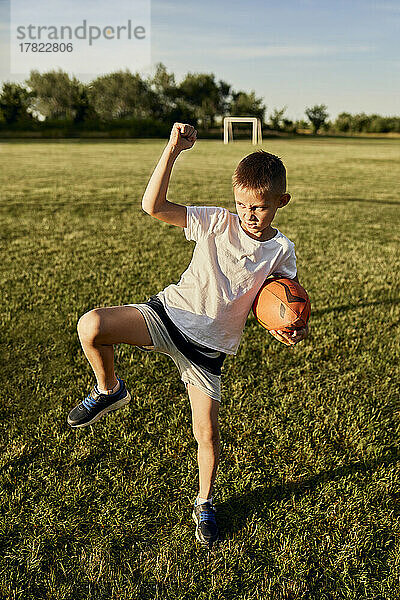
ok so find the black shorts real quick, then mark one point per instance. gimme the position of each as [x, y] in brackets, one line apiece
[209, 359]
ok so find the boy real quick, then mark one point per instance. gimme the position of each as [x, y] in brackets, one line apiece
[199, 320]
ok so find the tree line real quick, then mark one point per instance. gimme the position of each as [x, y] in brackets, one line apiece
[156, 102]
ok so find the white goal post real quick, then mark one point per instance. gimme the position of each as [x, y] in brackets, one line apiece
[257, 131]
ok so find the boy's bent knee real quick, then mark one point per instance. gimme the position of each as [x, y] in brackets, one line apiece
[89, 324]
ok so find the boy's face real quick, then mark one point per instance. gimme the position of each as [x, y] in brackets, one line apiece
[256, 212]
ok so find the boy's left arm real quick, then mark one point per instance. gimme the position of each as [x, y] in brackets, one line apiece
[294, 337]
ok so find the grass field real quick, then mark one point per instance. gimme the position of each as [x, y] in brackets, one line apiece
[307, 492]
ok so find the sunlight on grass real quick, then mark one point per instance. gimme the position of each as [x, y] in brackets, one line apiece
[308, 484]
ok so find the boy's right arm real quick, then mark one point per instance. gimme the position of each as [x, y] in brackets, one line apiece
[154, 200]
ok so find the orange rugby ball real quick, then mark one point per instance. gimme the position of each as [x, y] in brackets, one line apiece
[282, 303]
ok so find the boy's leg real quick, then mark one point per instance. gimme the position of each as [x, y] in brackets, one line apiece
[101, 328]
[205, 428]
[206, 432]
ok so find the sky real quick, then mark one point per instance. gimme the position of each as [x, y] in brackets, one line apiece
[294, 53]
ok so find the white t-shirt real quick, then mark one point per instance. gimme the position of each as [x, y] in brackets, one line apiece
[213, 298]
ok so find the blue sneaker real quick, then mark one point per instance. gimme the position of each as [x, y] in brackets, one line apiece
[96, 405]
[206, 524]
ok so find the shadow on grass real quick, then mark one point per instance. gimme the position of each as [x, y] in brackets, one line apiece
[348, 307]
[338, 309]
[237, 510]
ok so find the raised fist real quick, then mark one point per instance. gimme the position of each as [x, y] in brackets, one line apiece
[183, 136]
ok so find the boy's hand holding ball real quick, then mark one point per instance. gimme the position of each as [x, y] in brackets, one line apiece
[183, 136]
[290, 338]
[282, 307]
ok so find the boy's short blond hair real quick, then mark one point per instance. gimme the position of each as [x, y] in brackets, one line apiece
[261, 172]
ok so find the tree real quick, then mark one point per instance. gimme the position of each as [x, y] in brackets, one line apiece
[393, 124]
[302, 124]
[15, 101]
[205, 96]
[56, 96]
[167, 103]
[120, 95]
[343, 122]
[360, 122]
[317, 116]
[289, 126]
[247, 105]
[81, 105]
[163, 84]
[225, 91]
[276, 118]
[327, 126]
[163, 92]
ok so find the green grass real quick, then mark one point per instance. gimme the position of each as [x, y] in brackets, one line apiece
[308, 484]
